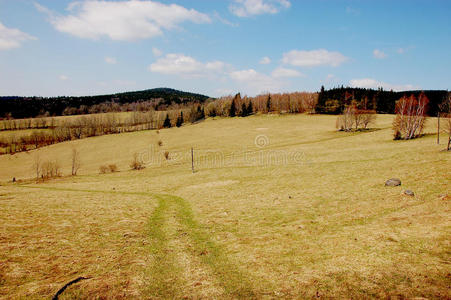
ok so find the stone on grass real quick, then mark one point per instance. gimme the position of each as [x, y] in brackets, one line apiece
[393, 182]
[409, 193]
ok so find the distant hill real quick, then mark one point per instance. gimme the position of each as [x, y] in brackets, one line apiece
[26, 107]
[334, 100]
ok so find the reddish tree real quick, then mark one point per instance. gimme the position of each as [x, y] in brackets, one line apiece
[410, 116]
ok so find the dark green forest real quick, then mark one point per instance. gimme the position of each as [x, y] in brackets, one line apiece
[331, 101]
[27, 107]
[334, 100]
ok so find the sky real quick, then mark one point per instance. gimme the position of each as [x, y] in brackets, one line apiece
[222, 47]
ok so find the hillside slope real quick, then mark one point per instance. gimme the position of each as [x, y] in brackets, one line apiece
[278, 207]
[26, 107]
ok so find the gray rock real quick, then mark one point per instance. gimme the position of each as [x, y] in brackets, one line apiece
[393, 182]
[409, 193]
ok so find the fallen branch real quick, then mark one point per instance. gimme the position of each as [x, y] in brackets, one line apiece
[61, 290]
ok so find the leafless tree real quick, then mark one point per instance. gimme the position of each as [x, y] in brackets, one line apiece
[445, 113]
[410, 116]
[37, 165]
[76, 163]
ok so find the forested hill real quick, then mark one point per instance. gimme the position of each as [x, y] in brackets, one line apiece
[333, 101]
[25, 107]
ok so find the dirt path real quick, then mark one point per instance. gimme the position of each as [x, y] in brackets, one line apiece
[185, 259]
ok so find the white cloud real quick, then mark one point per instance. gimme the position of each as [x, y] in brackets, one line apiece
[217, 16]
[110, 60]
[179, 64]
[379, 54]
[11, 38]
[246, 8]
[370, 83]
[283, 72]
[253, 82]
[313, 58]
[265, 60]
[63, 77]
[157, 52]
[122, 20]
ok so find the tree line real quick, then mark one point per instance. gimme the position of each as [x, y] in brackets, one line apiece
[334, 101]
[31, 107]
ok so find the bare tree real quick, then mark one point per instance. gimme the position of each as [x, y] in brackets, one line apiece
[445, 113]
[346, 120]
[37, 165]
[410, 116]
[368, 117]
[75, 161]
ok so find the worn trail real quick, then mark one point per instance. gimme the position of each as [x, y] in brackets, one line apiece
[185, 259]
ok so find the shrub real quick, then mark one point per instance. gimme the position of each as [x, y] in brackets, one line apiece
[103, 169]
[112, 168]
[166, 155]
[137, 163]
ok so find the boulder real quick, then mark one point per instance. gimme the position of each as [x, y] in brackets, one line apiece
[393, 182]
[409, 193]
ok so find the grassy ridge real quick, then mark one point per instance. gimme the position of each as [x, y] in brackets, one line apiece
[305, 214]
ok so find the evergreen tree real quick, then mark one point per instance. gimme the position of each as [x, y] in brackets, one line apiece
[179, 120]
[232, 112]
[243, 110]
[250, 108]
[167, 122]
[268, 104]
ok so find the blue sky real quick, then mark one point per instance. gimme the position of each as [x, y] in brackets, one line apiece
[51, 48]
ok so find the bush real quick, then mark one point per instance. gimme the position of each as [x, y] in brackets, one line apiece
[137, 163]
[103, 169]
[112, 168]
[166, 155]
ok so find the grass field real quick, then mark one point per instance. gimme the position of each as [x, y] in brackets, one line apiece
[278, 207]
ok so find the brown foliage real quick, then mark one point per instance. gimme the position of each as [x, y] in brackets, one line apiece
[103, 169]
[112, 168]
[137, 163]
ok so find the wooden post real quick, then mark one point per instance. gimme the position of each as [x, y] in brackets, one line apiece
[438, 128]
[192, 159]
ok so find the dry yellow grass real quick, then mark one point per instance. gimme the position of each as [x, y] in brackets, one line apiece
[301, 213]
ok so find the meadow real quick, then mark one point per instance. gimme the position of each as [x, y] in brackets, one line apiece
[278, 206]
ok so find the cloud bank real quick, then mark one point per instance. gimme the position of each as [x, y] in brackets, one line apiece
[122, 20]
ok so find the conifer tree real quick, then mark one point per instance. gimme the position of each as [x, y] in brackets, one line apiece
[250, 108]
[179, 120]
[243, 110]
[167, 122]
[232, 112]
[268, 103]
